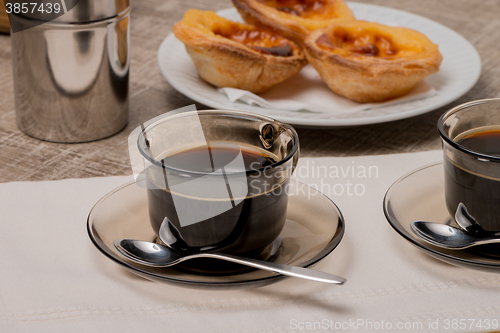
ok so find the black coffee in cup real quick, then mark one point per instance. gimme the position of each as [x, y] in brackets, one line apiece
[471, 181]
[246, 226]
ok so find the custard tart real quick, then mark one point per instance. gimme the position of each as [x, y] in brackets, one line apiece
[231, 54]
[293, 19]
[371, 62]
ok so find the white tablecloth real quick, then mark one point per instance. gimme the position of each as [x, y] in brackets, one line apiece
[53, 279]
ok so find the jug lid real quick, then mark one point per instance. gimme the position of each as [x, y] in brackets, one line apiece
[79, 11]
[69, 11]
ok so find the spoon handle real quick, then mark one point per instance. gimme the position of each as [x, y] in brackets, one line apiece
[287, 270]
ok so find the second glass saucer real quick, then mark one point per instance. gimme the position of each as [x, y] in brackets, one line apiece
[419, 196]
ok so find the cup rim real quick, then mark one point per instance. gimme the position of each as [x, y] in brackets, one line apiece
[287, 127]
[455, 145]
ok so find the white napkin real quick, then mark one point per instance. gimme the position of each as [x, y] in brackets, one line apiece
[53, 279]
[305, 91]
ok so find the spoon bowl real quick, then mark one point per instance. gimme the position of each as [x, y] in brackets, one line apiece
[468, 223]
[449, 237]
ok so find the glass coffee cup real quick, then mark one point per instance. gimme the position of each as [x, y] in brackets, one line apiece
[217, 180]
[471, 148]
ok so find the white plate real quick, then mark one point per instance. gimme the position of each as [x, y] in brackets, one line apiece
[459, 71]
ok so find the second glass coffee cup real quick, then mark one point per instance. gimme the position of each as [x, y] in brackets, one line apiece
[471, 146]
[218, 179]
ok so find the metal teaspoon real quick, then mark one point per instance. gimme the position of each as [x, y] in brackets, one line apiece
[157, 255]
[449, 237]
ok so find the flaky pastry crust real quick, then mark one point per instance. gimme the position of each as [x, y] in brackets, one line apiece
[231, 54]
[371, 62]
[293, 19]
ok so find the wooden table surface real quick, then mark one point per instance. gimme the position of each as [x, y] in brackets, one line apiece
[26, 159]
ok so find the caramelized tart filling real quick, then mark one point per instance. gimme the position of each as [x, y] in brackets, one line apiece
[259, 40]
[365, 43]
[302, 8]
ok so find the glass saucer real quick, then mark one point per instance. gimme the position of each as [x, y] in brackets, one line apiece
[419, 196]
[313, 229]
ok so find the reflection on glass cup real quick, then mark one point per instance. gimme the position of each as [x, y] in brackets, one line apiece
[218, 179]
[471, 146]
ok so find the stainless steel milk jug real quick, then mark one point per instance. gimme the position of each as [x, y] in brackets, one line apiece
[71, 74]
